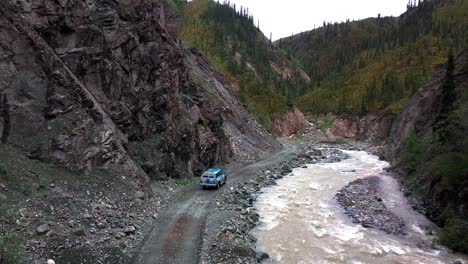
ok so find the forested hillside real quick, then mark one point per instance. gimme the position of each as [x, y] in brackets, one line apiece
[226, 34]
[372, 64]
[429, 141]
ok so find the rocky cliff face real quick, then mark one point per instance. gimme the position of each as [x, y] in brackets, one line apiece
[288, 123]
[420, 112]
[434, 169]
[372, 127]
[108, 83]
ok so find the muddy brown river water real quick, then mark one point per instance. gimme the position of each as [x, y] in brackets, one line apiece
[300, 222]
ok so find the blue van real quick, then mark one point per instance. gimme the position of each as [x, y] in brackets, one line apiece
[213, 178]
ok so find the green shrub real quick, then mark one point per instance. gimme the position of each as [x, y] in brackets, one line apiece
[258, 110]
[263, 117]
[465, 67]
[414, 153]
[452, 167]
[326, 123]
[177, 6]
[186, 181]
[24, 187]
[10, 245]
[454, 235]
[260, 179]
[10, 241]
[3, 169]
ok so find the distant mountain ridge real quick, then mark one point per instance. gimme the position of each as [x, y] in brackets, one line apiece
[376, 63]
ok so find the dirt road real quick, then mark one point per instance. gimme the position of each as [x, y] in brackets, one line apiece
[177, 236]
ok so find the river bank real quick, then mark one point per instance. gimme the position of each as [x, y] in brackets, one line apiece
[51, 212]
[363, 209]
[228, 237]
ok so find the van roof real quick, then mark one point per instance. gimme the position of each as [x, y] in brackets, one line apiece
[213, 170]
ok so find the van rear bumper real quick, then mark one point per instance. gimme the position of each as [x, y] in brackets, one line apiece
[208, 184]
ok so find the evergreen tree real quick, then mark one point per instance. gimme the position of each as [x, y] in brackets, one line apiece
[232, 41]
[447, 100]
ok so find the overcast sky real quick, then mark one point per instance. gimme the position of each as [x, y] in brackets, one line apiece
[283, 17]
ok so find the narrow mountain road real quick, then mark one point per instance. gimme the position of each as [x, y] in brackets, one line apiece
[177, 236]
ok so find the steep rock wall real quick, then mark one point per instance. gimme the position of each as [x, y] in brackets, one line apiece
[429, 176]
[419, 114]
[288, 123]
[371, 127]
[108, 83]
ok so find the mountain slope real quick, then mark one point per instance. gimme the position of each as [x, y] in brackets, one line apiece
[385, 67]
[266, 79]
[428, 144]
[133, 79]
[97, 98]
[375, 63]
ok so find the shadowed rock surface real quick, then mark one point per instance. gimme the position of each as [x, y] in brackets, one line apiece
[97, 98]
[108, 83]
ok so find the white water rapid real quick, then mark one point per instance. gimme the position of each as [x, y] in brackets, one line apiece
[300, 222]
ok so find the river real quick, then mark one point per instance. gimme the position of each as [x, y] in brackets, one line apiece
[301, 222]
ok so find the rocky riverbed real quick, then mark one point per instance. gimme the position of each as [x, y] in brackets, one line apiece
[227, 234]
[362, 202]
